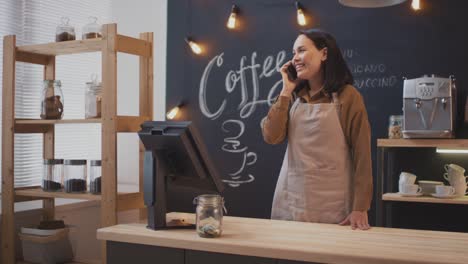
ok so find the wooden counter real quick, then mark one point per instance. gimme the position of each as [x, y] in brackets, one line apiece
[307, 242]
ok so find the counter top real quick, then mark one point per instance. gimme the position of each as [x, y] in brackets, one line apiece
[324, 243]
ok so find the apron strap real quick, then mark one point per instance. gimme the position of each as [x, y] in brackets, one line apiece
[294, 106]
[336, 102]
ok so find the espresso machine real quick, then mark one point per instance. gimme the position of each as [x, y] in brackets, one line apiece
[429, 107]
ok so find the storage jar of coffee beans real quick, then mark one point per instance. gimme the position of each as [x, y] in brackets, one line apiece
[95, 176]
[53, 174]
[64, 31]
[75, 176]
[52, 100]
[92, 30]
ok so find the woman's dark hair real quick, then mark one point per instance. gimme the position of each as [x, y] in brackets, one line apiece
[336, 73]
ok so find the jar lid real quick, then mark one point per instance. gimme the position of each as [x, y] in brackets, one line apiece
[64, 26]
[75, 162]
[94, 83]
[95, 162]
[213, 199]
[94, 86]
[54, 82]
[53, 161]
[92, 26]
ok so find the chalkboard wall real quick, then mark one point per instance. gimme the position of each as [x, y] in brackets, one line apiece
[228, 89]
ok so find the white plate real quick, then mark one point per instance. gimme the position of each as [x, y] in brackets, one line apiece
[443, 196]
[410, 194]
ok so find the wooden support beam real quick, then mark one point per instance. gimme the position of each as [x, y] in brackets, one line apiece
[130, 201]
[130, 123]
[48, 205]
[24, 128]
[134, 46]
[109, 130]
[27, 198]
[109, 126]
[146, 102]
[8, 137]
[28, 57]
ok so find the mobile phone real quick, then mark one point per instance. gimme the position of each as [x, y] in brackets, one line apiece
[292, 73]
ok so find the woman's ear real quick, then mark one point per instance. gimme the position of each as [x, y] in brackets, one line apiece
[324, 54]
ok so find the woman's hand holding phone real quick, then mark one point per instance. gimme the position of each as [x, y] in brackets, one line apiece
[289, 75]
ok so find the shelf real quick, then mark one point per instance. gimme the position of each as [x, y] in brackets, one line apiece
[40, 53]
[53, 122]
[423, 143]
[38, 192]
[423, 199]
[126, 201]
[124, 124]
[62, 48]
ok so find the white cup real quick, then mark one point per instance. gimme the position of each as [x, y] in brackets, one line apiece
[444, 190]
[460, 189]
[454, 168]
[455, 178]
[410, 189]
[406, 177]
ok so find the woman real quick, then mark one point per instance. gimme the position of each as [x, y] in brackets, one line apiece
[326, 176]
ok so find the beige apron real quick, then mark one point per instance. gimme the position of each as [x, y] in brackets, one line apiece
[314, 184]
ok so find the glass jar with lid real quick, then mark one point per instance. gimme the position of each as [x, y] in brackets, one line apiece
[92, 29]
[75, 176]
[93, 98]
[52, 100]
[395, 124]
[209, 215]
[95, 176]
[64, 31]
[52, 175]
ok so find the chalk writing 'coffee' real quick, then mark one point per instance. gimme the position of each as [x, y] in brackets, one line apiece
[238, 79]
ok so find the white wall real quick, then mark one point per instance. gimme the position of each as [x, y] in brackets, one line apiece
[132, 18]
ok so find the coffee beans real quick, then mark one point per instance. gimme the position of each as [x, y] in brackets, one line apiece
[95, 186]
[64, 36]
[51, 185]
[52, 108]
[75, 185]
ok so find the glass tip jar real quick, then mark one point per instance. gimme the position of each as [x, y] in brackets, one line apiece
[209, 215]
[52, 100]
[395, 124]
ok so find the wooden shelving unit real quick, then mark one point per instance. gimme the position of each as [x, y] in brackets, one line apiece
[44, 54]
[383, 145]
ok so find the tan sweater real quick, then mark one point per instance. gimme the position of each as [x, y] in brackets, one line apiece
[356, 129]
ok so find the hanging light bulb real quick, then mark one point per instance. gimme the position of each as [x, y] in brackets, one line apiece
[301, 20]
[232, 17]
[194, 46]
[416, 5]
[172, 113]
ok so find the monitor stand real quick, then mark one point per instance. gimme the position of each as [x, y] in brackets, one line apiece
[154, 179]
